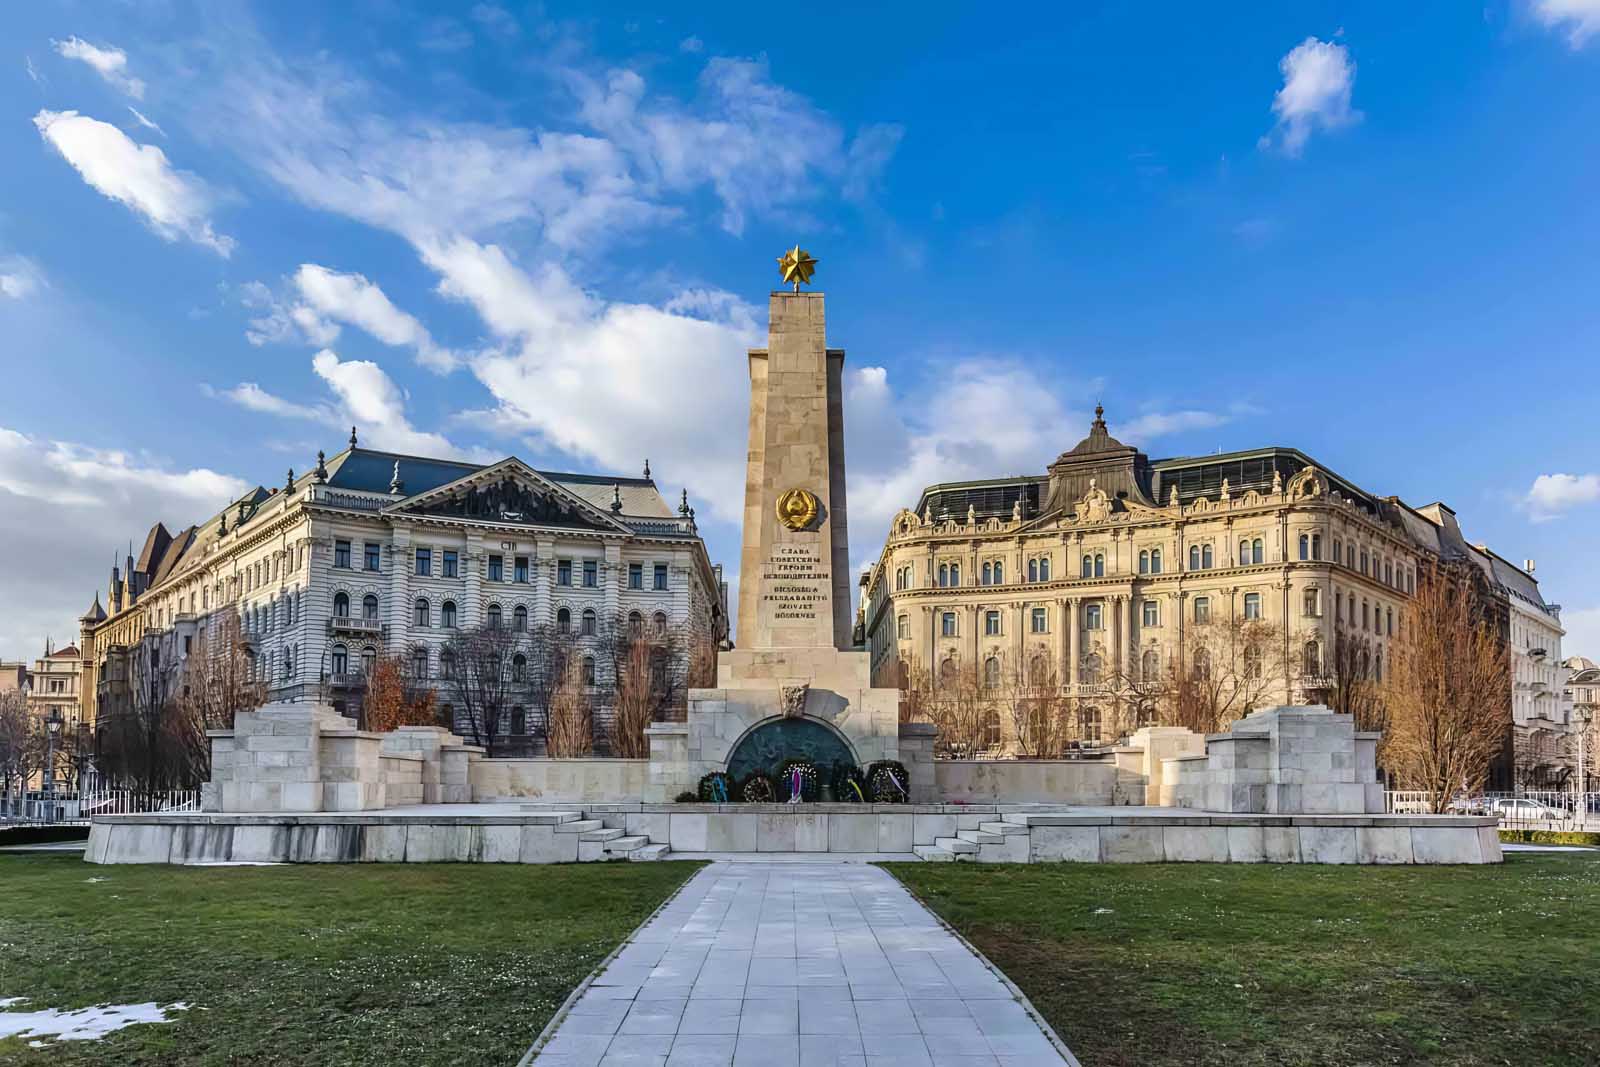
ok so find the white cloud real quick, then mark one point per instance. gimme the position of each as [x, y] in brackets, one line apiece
[1579, 18]
[146, 123]
[691, 44]
[374, 403]
[1159, 423]
[1318, 77]
[1553, 494]
[65, 509]
[20, 277]
[33, 72]
[283, 323]
[352, 299]
[252, 397]
[174, 203]
[1583, 633]
[110, 63]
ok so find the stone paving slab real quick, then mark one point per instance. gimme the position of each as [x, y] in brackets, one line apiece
[821, 964]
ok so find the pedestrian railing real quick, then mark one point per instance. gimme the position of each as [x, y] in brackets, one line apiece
[45, 807]
[1526, 810]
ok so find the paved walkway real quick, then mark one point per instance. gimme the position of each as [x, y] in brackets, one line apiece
[797, 965]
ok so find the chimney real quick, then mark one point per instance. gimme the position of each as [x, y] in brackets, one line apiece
[1527, 565]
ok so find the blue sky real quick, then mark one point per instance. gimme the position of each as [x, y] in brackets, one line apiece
[228, 232]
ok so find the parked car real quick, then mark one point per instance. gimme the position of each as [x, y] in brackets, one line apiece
[1465, 805]
[1523, 809]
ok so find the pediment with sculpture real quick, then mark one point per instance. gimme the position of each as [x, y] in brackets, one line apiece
[511, 494]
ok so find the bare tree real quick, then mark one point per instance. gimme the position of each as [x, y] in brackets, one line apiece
[20, 753]
[152, 740]
[1448, 693]
[1037, 709]
[963, 704]
[1353, 683]
[485, 674]
[1225, 669]
[220, 677]
[396, 697]
[571, 714]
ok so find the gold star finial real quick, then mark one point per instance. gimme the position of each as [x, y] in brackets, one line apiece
[796, 266]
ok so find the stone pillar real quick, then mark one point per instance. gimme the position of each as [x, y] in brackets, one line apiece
[401, 612]
[916, 752]
[611, 580]
[1117, 633]
[544, 576]
[1072, 641]
[470, 610]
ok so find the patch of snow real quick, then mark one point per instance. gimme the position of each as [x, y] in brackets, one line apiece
[83, 1024]
[1102, 911]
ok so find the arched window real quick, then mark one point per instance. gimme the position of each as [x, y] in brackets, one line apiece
[1202, 664]
[1313, 601]
[1205, 557]
[661, 624]
[988, 575]
[1252, 605]
[1099, 565]
[1377, 663]
[1091, 669]
[1150, 665]
[339, 660]
[369, 608]
[519, 668]
[1144, 562]
[944, 575]
[519, 619]
[588, 670]
[999, 573]
[1088, 566]
[1194, 557]
[519, 720]
[369, 660]
[341, 605]
[588, 624]
[991, 673]
[563, 621]
[949, 671]
[1033, 570]
[1256, 553]
[1155, 561]
[419, 663]
[494, 616]
[447, 663]
[1316, 546]
[1389, 612]
[1039, 672]
[955, 574]
[1244, 553]
[447, 615]
[635, 624]
[423, 613]
[1044, 568]
[1305, 546]
[1313, 664]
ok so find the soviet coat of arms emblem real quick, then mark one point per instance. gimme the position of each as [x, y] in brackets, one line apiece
[797, 508]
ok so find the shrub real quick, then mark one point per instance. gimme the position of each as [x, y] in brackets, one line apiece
[889, 783]
[35, 835]
[1551, 837]
[686, 797]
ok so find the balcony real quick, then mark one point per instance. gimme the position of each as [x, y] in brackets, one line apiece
[345, 626]
[1318, 681]
[347, 680]
[1091, 689]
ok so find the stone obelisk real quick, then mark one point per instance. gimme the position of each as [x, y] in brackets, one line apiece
[794, 581]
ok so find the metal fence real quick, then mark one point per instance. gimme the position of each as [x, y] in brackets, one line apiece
[1524, 810]
[47, 807]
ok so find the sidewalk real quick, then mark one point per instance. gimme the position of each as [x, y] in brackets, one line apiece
[797, 965]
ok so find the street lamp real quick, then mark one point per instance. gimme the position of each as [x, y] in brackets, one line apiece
[53, 730]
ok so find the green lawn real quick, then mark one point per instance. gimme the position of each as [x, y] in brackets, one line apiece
[1242, 965]
[436, 964]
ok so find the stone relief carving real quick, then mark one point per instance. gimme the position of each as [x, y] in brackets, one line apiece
[794, 700]
[1307, 484]
[1095, 505]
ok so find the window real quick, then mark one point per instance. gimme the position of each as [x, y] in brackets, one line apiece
[999, 573]
[1366, 618]
[1150, 665]
[1389, 613]
[636, 576]
[1377, 665]
[591, 574]
[991, 673]
[422, 612]
[588, 670]
[1252, 661]
[955, 574]
[1363, 561]
[1316, 546]
[588, 625]
[341, 555]
[1313, 659]
[1388, 572]
[947, 624]
[902, 628]
[1099, 565]
[1039, 620]
[1091, 669]
[661, 624]
[1338, 551]
[1089, 724]
[497, 569]
[519, 720]
[1033, 570]
[563, 621]
[660, 577]
[1091, 617]
[1144, 562]
[447, 615]
[635, 624]
[494, 616]
[519, 668]
[987, 577]
[1305, 546]
[1313, 602]
[369, 608]
[339, 661]
[1244, 553]
[1150, 613]
[450, 566]
[520, 570]
[519, 619]
[419, 663]
[341, 605]
[424, 562]
[991, 623]
[1256, 554]
[369, 660]
[370, 555]
[1194, 557]
[447, 664]
[1088, 567]
[1202, 609]
[1155, 561]
[1252, 605]
[1202, 664]
[1044, 568]
[564, 572]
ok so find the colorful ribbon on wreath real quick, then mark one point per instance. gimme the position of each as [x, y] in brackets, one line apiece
[795, 785]
[719, 791]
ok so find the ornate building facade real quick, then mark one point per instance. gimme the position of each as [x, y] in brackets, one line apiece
[374, 553]
[1092, 574]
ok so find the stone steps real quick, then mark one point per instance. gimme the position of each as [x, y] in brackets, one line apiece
[648, 853]
[980, 837]
[622, 843]
[1002, 828]
[934, 854]
[956, 844]
[598, 833]
[579, 826]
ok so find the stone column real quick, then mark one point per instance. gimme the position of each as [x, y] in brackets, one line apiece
[1072, 641]
[1119, 633]
[611, 580]
[544, 576]
[470, 610]
[401, 564]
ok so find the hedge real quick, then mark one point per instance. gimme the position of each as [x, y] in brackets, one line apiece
[1551, 837]
[35, 835]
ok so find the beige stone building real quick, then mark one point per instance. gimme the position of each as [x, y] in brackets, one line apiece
[374, 553]
[1091, 574]
[55, 690]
